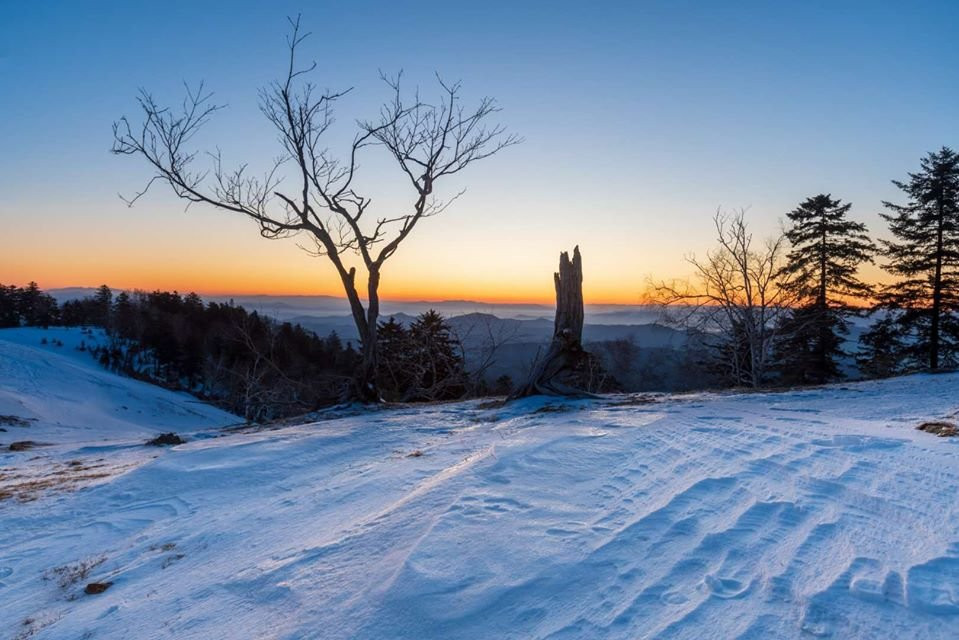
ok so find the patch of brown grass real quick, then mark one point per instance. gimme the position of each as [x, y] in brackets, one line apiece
[27, 487]
[31, 626]
[635, 401]
[491, 404]
[69, 574]
[556, 408]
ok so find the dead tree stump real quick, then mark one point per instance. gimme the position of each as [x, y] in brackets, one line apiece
[566, 369]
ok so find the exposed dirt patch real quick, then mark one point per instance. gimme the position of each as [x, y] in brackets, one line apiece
[24, 445]
[940, 428]
[166, 440]
[96, 587]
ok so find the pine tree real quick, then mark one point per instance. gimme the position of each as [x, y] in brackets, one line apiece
[9, 306]
[438, 367]
[432, 345]
[827, 251]
[123, 315]
[925, 257]
[102, 304]
[809, 344]
[36, 308]
[879, 350]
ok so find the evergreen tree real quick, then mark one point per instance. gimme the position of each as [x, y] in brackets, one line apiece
[36, 308]
[421, 363]
[333, 343]
[123, 318]
[9, 306]
[102, 304]
[925, 257]
[394, 375]
[438, 367]
[827, 251]
[879, 350]
[808, 345]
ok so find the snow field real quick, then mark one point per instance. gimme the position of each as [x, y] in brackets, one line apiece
[815, 513]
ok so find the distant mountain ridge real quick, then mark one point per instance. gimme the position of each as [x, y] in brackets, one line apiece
[287, 307]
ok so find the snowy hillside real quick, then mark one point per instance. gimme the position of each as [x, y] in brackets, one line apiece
[820, 513]
[68, 397]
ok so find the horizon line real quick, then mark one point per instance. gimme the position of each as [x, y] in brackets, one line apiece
[402, 299]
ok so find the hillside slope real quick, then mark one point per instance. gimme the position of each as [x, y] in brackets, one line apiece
[815, 513]
[67, 397]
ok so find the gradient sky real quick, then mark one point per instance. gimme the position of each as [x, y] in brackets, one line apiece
[640, 119]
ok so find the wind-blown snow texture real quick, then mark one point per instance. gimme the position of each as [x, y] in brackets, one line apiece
[807, 514]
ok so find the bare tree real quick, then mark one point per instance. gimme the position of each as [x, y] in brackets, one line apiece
[738, 298]
[428, 141]
[478, 344]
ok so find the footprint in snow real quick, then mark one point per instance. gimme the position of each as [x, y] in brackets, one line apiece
[727, 588]
[674, 597]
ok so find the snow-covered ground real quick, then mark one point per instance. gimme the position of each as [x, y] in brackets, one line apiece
[72, 399]
[817, 513]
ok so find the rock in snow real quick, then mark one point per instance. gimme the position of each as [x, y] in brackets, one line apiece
[814, 513]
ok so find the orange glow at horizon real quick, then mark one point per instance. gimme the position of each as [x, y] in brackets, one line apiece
[224, 284]
[207, 286]
[435, 266]
[239, 281]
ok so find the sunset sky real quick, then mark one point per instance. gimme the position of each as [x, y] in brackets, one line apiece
[639, 119]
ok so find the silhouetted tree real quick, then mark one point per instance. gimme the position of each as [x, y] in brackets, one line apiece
[428, 141]
[102, 303]
[436, 359]
[822, 266]
[421, 363]
[925, 256]
[880, 350]
[123, 314]
[36, 308]
[394, 372]
[737, 302]
[9, 306]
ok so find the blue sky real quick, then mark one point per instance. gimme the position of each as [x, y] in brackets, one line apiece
[640, 119]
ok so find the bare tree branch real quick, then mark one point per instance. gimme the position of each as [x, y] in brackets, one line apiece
[427, 141]
[740, 294]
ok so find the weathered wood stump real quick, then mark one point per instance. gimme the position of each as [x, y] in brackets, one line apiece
[566, 369]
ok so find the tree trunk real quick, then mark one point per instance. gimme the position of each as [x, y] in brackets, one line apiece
[364, 385]
[936, 294]
[566, 369]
